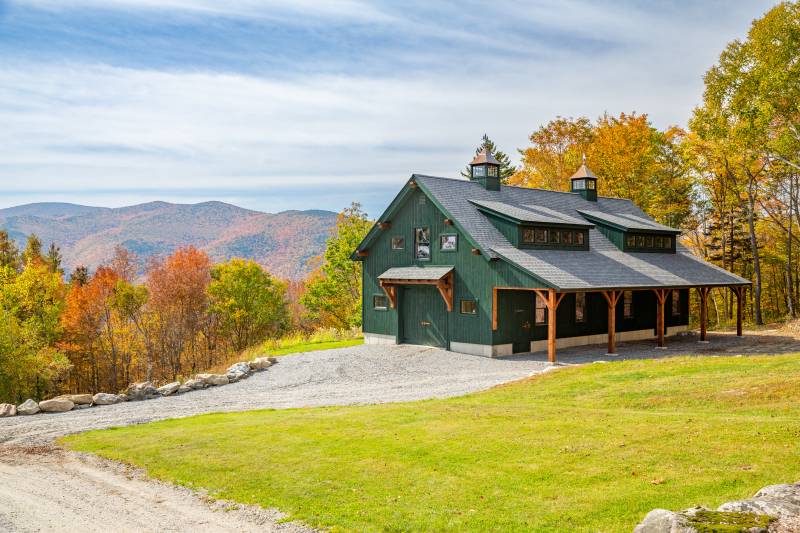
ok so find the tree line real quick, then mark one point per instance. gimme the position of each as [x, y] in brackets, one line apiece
[100, 331]
[729, 181]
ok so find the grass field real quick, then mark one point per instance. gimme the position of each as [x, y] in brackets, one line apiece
[589, 448]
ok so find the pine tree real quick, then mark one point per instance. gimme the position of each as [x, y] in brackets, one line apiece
[54, 259]
[9, 254]
[506, 168]
[79, 276]
[33, 250]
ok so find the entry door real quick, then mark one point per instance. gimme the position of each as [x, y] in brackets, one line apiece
[424, 316]
[521, 320]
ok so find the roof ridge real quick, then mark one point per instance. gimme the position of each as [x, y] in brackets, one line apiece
[461, 180]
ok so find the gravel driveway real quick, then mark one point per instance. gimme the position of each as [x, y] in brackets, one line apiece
[355, 375]
[43, 488]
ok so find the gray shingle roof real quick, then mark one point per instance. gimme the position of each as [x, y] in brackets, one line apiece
[602, 266]
[531, 213]
[419, 273]
[626, 221]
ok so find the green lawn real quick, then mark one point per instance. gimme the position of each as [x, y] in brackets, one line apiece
[589, 448]
[311, 347]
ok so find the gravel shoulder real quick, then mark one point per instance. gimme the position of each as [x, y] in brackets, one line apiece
[45, 488]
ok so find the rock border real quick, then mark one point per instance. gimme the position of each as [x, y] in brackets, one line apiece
[138, 391]
[773, 508]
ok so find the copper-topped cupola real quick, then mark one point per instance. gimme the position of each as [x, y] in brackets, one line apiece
[485, 169]
[584, 182]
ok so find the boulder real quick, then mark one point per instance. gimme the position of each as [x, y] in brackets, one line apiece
[183, 388]
[56, 405]
[28, 407]
[80, 399]
[7, 409]
[212, 379]
[663, 521]
[82, 406]
[169, 388]
[194, 384]
[773, 500]
[238, 371]
[104, 398]
[141, 391]
[260, 363]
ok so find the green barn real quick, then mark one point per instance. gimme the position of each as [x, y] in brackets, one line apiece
[478, 267]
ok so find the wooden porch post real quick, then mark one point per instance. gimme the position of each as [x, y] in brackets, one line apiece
[612, 297]
[661, 296]
[739, 291]
[703, 292]
[552, 300]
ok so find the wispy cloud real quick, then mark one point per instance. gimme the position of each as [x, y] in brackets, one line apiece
[345, 96]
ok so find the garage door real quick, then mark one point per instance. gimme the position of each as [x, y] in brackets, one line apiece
[423, 316]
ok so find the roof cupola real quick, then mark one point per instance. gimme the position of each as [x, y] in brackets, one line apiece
[584, 182]
[485, 169]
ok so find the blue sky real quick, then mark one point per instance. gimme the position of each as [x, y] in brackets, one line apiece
[274, 105]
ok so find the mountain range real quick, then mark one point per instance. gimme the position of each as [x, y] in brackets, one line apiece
[282, 242]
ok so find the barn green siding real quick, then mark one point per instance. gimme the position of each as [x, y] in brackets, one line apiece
[474, 278]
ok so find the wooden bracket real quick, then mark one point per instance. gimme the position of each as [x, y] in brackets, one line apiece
[362, 253]
[448, 222]
[391, 293]
[703, 292]
[445, 287]
[384, 225]
[612, 299]
[476, 251]
[661, 296]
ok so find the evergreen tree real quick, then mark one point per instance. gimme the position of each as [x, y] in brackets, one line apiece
[54, 259]
[33, 250]
[9, 254]
[79, 276]
[506, 168]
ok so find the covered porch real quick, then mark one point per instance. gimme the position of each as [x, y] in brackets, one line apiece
[551, 299]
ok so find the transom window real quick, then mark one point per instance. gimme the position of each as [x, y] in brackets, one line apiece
[676, 302]
[641, 242]
[553, 237]
[380, 302]
[627, 304]
[469, 307]
[541, 310]
[422, 244]
[580, 307]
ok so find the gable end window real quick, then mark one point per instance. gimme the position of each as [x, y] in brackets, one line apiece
[676, 302]
[398, 243]
[469, 307]
[422, 244]
[627, 304]
[448, 242]
[580, 307]
[380, 302]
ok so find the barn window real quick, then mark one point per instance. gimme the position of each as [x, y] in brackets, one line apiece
[580, 307]
[380, 302]
[527, 235]
[469, 307]
[398, 243]
[540, 235]
[541, 310]
[579, 238]
[566, 237]
[555, 236]
[676, 302]
[448, 242]
[627, 304]
[422, 244]
[630, 241]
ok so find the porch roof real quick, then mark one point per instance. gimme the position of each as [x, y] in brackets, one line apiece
[416, 273]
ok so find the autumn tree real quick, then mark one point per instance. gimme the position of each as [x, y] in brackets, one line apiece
[33, 250]
[9, 254]
[507, 169]
[54, 259]
[333, 291]
[250, 304]
[554, 155]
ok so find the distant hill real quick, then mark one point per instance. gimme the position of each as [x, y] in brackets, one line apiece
[282, 242]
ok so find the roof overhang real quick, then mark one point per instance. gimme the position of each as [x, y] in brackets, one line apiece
[440, 277]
